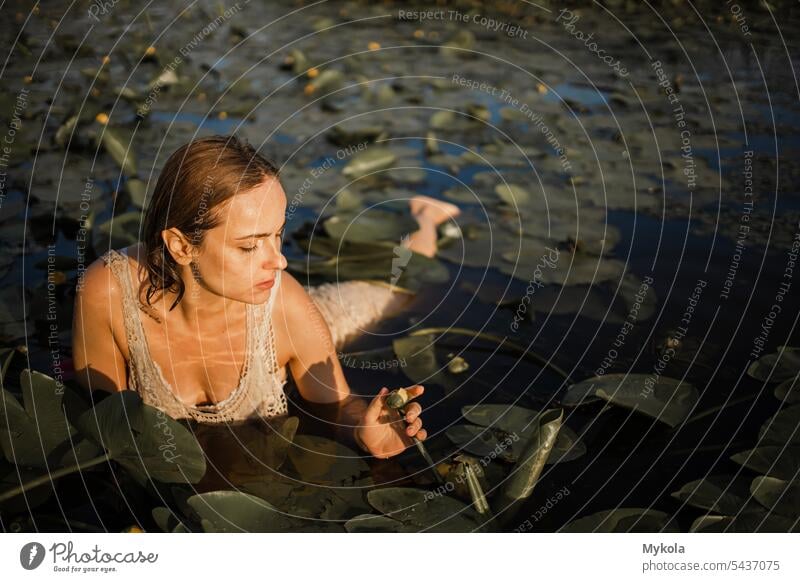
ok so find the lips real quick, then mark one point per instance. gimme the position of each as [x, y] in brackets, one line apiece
[266, 284]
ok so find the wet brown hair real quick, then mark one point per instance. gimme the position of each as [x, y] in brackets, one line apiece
[197, 178]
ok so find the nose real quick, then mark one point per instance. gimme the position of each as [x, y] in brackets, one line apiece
[275, 258]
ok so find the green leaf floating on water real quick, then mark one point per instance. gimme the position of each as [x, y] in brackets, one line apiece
[233, 511]
[370, 226]
[789, 390]
[623, 520]
[750, 521]
[782, 429]
[724, 494]
[370, 523]
[144, 440]
[38, 433]
[778, 461]
[777, 495]
[420, 510]
[659, 397]
[499, 424]
[777, 367]
[376, 158]
[120, 151]
[532, 459]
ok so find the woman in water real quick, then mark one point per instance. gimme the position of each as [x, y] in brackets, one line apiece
[201, 319]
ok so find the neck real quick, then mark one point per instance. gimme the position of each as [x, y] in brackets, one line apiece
[198, 304]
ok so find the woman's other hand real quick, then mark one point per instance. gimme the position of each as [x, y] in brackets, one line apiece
[382, 433]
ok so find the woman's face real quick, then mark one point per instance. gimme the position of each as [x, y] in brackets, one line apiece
[243, 252]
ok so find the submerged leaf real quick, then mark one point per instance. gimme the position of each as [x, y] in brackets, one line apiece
[144, 440]
[318, 460]
[422, 365]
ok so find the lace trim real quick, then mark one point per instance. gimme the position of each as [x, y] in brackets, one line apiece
[219, 412]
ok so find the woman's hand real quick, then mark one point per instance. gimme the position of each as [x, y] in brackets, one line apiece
[383, 433]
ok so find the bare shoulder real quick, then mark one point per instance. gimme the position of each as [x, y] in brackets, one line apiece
[99, 297]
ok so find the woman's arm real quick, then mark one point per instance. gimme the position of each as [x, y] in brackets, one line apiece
[98, 361]
[319, 377]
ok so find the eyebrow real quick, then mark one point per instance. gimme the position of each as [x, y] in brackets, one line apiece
[261, 234]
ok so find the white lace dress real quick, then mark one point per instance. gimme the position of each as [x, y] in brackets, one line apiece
[348, 308]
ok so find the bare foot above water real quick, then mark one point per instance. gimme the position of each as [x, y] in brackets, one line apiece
[432, 209]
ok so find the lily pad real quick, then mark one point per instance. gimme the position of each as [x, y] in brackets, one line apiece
[38, 432]
[751, 521]
[498, 424]
[420, 510]
[777, 495]
[659, 397]
[724, 494]
[144, 440]
[120, 151]
[233, 511]
[375, 159]
[777, 367]
[782, 429]
[627, 520]
[789, 390]
[370, 523]
[775, 461]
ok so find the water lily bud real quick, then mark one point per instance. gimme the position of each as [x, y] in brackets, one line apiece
[397, 398]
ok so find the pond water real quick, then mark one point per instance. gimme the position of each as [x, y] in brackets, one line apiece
[683, 172]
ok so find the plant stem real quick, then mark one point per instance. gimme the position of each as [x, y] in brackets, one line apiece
[504, 341]
[41, 480]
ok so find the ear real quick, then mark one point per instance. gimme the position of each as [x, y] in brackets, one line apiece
[178, 245]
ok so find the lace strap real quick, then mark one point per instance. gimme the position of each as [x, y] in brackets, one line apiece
[118, 263]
